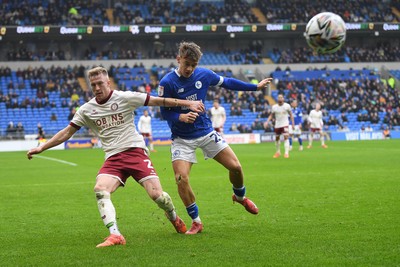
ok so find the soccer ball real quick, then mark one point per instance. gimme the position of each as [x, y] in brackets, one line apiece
[325, 33]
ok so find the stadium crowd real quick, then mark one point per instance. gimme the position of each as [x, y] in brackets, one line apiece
[76, 12]
[302, 11]
[367, 98]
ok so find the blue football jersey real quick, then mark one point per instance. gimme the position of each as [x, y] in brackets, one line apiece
[297, 116]
[194, 88]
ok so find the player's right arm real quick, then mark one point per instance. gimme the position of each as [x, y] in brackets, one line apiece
[268, 120]
[57, 139]
[169, 112]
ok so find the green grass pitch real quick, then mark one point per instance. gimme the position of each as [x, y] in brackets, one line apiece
[322, 207]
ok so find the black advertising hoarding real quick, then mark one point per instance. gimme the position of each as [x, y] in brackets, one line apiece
[263, 30]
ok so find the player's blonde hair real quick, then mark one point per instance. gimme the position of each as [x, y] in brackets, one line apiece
[190, 50]
[97, 71]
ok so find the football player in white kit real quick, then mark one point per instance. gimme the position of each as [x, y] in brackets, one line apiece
[316, 125]
[144, 127]
[110, 116]
[281, 112]
[218, 117]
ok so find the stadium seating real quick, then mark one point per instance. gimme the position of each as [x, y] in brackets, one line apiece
[31, 116]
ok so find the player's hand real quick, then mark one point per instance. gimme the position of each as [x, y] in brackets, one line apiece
[188, 117]
[197, 106]
[33, 151]
[261, 85]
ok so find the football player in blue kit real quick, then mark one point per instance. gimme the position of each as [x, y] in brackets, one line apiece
[192, 130]
[296, 129]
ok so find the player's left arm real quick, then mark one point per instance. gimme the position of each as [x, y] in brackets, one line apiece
[238, 85]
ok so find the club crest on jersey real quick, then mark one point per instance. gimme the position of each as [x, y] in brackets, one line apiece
[114, 106]
[176, 153]
[198, 84]
[160, 90]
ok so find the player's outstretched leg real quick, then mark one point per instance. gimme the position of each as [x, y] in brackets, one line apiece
[229, 160]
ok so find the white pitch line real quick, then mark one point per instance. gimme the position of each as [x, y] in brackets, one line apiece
[58, 160]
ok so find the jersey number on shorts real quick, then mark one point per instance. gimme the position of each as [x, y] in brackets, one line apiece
[216, 136]
[149, 166]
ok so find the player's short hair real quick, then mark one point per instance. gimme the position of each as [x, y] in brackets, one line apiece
[190, 50]
[97, 71]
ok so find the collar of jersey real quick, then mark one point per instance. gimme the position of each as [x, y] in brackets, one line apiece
[105, 100]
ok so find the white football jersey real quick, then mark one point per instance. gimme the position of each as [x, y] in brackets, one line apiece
[315, 119]
[144, 124]
[112, 121]
[282, 114]
[217, 116]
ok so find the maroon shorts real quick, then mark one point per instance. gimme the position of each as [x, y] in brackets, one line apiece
[218, 129]
[282, 130]
[132, 162]
[315, 130]
[147, 135]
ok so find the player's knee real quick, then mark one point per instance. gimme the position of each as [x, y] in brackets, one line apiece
[236, 167]
[99, 187]
[181, 179]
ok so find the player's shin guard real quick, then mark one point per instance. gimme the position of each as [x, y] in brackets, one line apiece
[239, 192]
[165, 202]
[107, 211]
[193, 212]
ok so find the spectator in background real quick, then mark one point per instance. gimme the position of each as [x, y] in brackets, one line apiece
[11, 130]
[386, 133]
[71, 114]
[75, 97]
[41, 133]
[257, 125]
[20, 131]
[368, 128]
[53, 117]
[233, 127]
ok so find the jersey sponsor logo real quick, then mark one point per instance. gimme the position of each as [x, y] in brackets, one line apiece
[181, 90]
[198, 84]
[160, 90]
[94, 112]
[114, 106]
